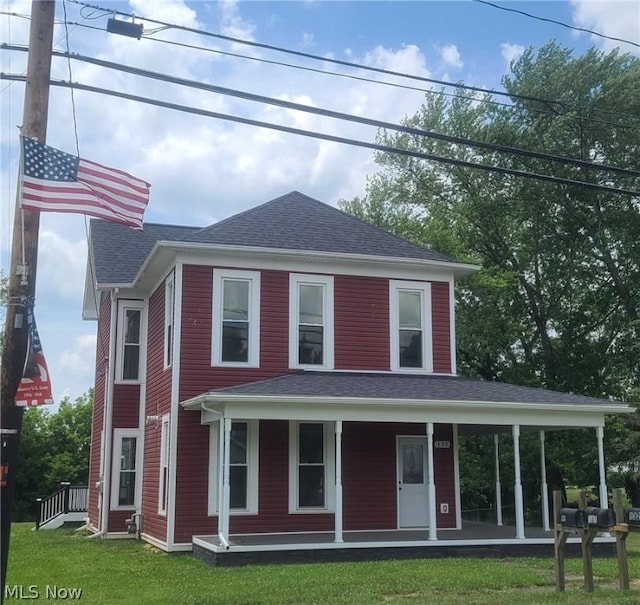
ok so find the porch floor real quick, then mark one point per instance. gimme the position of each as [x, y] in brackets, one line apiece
[475, 539]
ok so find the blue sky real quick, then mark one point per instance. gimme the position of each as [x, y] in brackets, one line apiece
[204, 170]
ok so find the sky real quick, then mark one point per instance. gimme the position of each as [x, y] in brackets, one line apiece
[202, 170]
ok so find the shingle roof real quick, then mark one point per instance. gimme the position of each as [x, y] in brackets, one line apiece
[293, 221]
[298, 222]
[119, 251]
[404, 387]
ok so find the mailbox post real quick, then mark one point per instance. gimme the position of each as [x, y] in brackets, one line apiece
[631, 518]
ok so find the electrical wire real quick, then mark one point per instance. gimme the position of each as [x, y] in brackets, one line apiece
[333, 114]
[550, 103]
[485, 99]
[555, 22]
[335, 139]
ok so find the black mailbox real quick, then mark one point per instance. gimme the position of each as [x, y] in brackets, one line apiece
[632, 516]
[600, 517]
[573, 517]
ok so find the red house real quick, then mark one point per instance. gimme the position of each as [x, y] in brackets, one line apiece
[283, 382]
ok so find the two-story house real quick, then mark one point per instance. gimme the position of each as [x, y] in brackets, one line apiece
[284, 381]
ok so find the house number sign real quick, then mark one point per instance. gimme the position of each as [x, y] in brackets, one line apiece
[443, 445]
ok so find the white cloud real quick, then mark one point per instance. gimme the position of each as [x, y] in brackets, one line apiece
[511, 52]
[450, 56]
[616, 18]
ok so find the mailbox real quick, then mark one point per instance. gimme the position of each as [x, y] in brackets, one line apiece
[573, 517]
[600, 517]
[632, 516]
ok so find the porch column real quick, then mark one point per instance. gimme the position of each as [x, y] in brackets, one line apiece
[603, 477]
[223, 507]
[544, 493]
[496, 447]
[431, 485]
[517, 488]
[338, 492]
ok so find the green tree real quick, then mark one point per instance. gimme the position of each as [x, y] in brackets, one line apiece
[557, 303]
[54, 448]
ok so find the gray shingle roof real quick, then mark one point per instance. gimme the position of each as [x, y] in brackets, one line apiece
[404, 386]
[119, 251]
[298, 222]
[293, 221]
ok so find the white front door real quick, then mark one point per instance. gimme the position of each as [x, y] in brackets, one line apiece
[413, 506]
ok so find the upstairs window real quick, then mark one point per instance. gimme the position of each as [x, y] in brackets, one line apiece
[310, 321]
[129, 338]
[169, 306]
[236, 318]
[410, 321]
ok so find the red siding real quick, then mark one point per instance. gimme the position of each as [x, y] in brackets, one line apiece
[157, 402]
[102, 353]
[441, 327]
[361, 310]
[126, 406]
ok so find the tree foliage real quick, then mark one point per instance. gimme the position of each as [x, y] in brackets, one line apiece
[557, 302]
[54, 448]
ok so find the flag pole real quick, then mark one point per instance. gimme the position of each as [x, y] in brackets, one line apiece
[22, 273]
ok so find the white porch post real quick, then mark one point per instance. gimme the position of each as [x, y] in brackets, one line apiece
[603, 477]
[223, 507]
[544, 494]
[496, 447]
[517, 489]
[338, 492]
[431, 485]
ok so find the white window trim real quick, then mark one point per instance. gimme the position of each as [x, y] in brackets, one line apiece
[169, 318]
[123, 307]
[118, 436]
[329, 468]
[252, 469]
[253, 277]
[395, 286]
[165, 448]
[295, 280]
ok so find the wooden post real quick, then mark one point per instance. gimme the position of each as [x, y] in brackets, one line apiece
[22, 272]
[622, 531]
[560, 539]
[587, 541]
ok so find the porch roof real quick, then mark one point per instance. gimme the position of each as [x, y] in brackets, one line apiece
[401, 397]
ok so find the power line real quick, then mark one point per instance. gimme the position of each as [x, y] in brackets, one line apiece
[550, 103]
[333, 138]
[334, 114]
[555, 22]
[478, 99]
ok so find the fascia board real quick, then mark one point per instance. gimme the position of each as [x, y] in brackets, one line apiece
[459, 270]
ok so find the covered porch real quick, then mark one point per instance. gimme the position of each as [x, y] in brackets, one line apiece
[426, 403]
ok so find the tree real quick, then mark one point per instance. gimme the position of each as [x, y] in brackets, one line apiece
[557, 303]
[55, 448]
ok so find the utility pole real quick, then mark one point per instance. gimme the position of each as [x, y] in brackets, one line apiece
[22, 272]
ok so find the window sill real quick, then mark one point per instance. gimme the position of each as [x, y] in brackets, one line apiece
[236, 513]
[312, 511]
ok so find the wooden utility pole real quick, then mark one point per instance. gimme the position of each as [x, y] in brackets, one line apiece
[22, 272]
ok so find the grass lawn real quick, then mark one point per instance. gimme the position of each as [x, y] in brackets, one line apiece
[126, 571]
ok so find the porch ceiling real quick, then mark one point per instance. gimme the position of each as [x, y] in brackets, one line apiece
[393, 397]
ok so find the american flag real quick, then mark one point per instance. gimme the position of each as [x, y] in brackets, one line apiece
[54, 181]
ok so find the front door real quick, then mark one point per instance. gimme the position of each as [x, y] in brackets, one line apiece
[412, 482]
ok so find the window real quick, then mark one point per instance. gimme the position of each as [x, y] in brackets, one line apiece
[243, 467]
[163, 496]
[310, 321]
[169, 306]
[236, 318]
[129, 352]
[311, 467]
[125, 489]
[410, 309]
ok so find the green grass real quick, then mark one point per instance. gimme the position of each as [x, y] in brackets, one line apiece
[122, 572]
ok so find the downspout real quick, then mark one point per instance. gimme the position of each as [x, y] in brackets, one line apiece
[108, 420]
